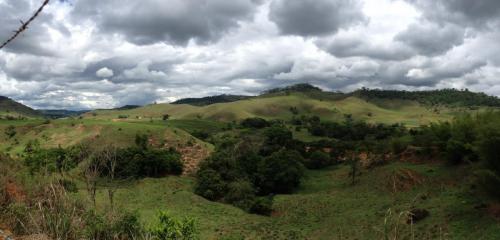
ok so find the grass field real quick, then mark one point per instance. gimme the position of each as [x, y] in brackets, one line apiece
[278, 107]
[326, 206]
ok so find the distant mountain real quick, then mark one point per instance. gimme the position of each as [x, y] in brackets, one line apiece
[448, 97]
[128, 107]
[204, 101]
[61, 113]
[9, 107]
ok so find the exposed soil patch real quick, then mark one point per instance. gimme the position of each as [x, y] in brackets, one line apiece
[14, 193]
[192, 156]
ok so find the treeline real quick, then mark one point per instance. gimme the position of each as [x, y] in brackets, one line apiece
[451, 97]
[139, 161]
[204, 101]
[301, 87]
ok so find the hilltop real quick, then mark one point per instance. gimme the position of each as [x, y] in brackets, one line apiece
[11, 108]
[377, 106]
[204, 101]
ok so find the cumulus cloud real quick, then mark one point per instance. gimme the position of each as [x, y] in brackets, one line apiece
[174, 21]
[480, 14]
[82, 54]
[104, 73]
[432, 39]
[315, 17]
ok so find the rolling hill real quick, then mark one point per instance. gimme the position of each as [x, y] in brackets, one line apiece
[11, 108]
[377, 106]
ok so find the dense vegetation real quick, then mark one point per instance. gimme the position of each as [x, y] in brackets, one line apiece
[204, 101]
[451, 97]
[247, 171]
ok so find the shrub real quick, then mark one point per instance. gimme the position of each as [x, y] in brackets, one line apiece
[10, 131]
[255, 123]
[241, 194]
[200, 134]
[209, 184]
[169, 228]
[318, 160]
[281, 172]
[138, 162]
[262, 206]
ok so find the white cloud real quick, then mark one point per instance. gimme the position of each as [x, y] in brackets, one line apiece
[111, 56]
[104, 73]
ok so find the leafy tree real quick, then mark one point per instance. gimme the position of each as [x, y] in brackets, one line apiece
[281, 172]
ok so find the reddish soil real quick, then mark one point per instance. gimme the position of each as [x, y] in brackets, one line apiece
[14, 192]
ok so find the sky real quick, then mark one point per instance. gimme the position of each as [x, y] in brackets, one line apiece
[85, 54]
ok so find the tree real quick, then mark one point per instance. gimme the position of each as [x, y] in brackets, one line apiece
[281, 172]
[92, 171]
[111, 163]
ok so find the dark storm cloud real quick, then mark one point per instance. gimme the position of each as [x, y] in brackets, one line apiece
[359, 47]
[432, 39]
[174, 21]
[479, 13]
[315, 17]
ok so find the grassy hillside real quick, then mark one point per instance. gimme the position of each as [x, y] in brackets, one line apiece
[9, 107]
[325, 206]
[66, 133]
[278, 106]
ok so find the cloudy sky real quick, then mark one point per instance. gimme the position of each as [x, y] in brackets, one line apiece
[105, 53]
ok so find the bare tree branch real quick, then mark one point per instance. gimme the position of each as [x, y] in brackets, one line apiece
[24, 25]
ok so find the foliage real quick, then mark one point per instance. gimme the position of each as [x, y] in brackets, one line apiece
[451, 97]
[255, 123]
[137, 162]
[169, 228]
[318, 159]
[10, 131]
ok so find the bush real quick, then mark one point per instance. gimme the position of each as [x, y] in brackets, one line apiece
[209, 184]
[281, 172]
[255, 123]
[169, 228]
[318, 160]
[262, 206]
[200, 135]
[241, 194]
[10, 131]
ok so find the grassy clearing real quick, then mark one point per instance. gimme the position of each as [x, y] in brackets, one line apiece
[325, 207]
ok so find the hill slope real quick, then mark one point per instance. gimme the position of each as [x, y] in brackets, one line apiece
[9, 107]
[280, 106]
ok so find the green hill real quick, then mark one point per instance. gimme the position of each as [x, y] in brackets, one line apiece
[279, 106]
[11, 108]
